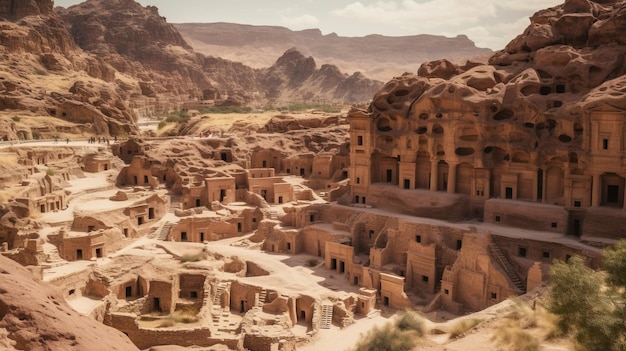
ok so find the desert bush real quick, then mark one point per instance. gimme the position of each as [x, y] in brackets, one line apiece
[177, 117]
[463, 326]
[16, 118]
[312, 262]
[386, 338]
[512, 337]
[410, 321]
[50, 172]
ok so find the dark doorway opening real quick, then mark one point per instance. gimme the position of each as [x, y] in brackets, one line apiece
[389, 176]
[508, 192]
[79, 254]
[157, 304]
[129, 291]
[151, 213]
[407, 184]
[333, 263]
[98, 252]
[612, 194]
[222, 195]
[540, 184]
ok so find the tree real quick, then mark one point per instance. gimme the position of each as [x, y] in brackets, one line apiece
[590, 303]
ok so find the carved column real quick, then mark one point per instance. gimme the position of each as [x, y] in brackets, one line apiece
[452, 178]
[433, 174]
[596, 192]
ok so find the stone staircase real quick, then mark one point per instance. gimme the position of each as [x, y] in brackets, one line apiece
[53, 259]
[217, 312]
[262, 298]
[165, 231]
[327, 316]
[506, 265]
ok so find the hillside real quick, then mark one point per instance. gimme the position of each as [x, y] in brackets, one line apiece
[376, 56]
[100, 65]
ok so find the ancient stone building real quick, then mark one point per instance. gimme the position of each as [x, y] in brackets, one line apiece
[485, 160]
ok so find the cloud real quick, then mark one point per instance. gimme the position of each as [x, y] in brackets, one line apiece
[300, 22]
[490, 23]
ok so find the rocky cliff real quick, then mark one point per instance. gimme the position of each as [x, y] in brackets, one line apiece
[258, 46]
[35, 316]
[553, 100]
[90, 63]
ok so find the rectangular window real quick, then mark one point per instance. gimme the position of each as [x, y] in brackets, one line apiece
[494, 296]
[498, 219]
[576, 203]
[359, 140]
[358, 180]
[425, 278]
[546, 254]
[605, 144]
[459, 244]
[446, 291]
[418, 238]
[553, 224]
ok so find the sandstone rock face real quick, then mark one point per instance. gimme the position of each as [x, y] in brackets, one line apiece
[44, 321]
[295, 77]
[549, 110]
[14, 9]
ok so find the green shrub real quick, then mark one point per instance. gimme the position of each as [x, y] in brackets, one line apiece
[16, 118]
[50, 172]
[226, 109]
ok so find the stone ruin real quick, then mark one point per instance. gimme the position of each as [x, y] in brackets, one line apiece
[454, 190]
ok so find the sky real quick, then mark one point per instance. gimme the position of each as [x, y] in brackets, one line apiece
[489, 23]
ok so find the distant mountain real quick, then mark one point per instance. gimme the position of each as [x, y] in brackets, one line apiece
[376, 56]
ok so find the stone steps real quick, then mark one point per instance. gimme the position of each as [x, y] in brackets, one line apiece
[507, 267]
[165, 231]
[327, 316]
[262, 298]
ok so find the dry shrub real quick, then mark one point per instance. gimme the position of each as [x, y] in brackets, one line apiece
[312, 262]
[511, 337]
[386, 338]
[411, 321]
[514, 333]
[463, 326]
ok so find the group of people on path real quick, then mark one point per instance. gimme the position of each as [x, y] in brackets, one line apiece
[101, 140]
